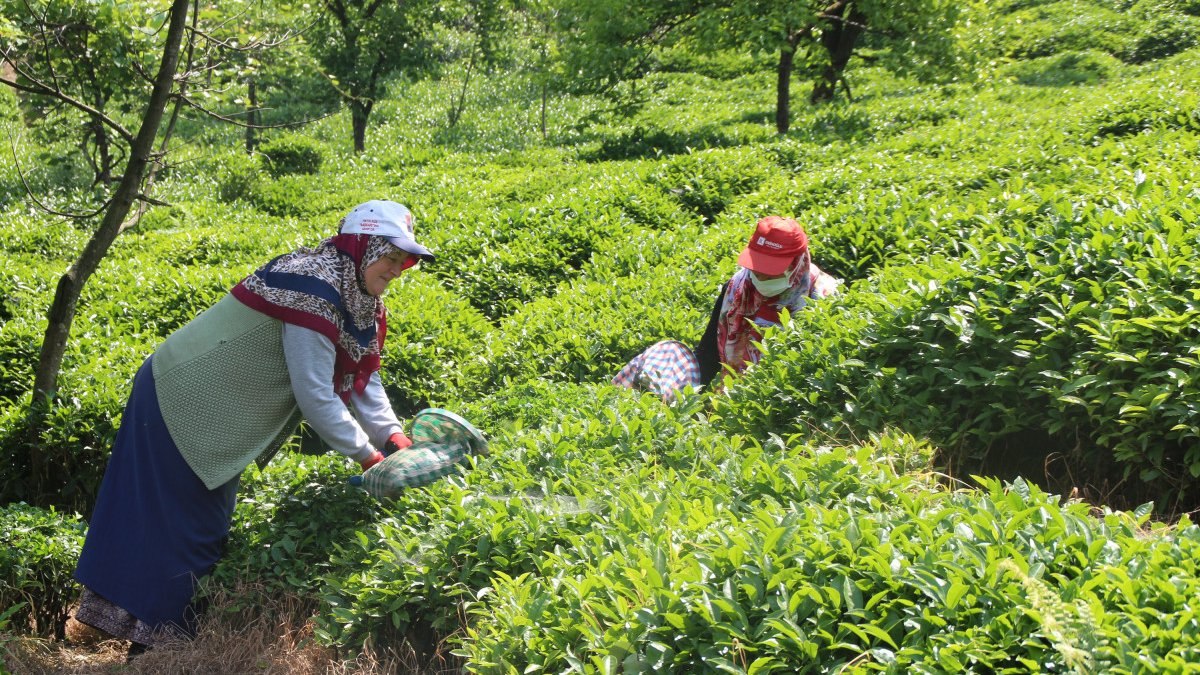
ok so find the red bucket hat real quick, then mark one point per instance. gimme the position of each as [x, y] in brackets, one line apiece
[775, 244]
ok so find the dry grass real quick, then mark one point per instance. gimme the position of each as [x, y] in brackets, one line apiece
[275, 638]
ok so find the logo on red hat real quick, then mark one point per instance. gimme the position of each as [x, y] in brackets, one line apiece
[763, 241]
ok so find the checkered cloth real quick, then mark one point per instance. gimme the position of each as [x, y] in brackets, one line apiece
[665, 368]
[441, 441]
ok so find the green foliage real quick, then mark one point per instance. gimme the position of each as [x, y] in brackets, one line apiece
[593, 346]
[61, 461]
[1134, 32]
[1060, 325]
[509, 258]
[291, 154]
[1064, 69]
[844, 565]
[355, 43]
[1142, 111]
[725, 65]
[288, 520]
[1161, 36]
[1046, 29]
[95, 53]
[239, 178]
[447, 542]
[706, 182]
[434, 339]
[38, 551]
[1020, 300]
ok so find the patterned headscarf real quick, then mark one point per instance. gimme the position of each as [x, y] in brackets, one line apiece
[322, 289]
[744, 311]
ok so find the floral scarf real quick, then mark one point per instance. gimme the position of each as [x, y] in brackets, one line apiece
[322, 289]
[744, 311]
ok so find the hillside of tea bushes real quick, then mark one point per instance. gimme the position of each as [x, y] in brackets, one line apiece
[979, 457]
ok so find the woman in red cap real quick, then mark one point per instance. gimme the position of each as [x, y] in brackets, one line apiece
[777, 273]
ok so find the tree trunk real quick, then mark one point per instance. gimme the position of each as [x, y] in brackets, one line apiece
[783, 89]
[251, 115]
[70, 285]
[360, 111]
[456, 110]
[839, 39]
[104, 158]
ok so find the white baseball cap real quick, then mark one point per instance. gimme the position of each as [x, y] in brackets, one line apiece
[388, 219]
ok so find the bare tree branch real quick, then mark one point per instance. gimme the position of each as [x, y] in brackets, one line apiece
[42, 205]
[42, 89]
[230, 120]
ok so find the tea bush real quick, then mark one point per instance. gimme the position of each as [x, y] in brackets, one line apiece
[38, 550]
[1007, 580]
[239, 178]
[446, 543]
[289, 519]
[1164, 34]
[592, 346]
[1060, 326]
[291, 154]
[1064, 69]
[525, 253]
[1054, 27]
[706, 182]
[435, 339]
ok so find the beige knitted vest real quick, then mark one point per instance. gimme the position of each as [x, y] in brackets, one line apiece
[224, 391]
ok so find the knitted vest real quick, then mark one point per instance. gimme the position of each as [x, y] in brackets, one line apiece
[224, 391]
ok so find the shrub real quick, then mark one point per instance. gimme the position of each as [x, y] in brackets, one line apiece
[653, 143]
[59, 460]
[525, 253]
[1143, 110]
[291, 154]
[289, 520]
[1071, 330]
[869, 573]
[1161, 36]
[434, 339]
[239, 178]
[720, 65]
[295, 195]
[593, 346]
[1065, 69]
[1058, 27]
[706, 182]
[38, 552]
[542, 490]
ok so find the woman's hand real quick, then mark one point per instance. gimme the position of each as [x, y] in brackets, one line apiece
[396, 442]
[375, 458]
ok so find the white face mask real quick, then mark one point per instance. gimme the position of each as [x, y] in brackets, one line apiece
[772, 287]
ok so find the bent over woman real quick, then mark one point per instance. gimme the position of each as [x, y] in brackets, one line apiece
[300, 338]
[776, 273]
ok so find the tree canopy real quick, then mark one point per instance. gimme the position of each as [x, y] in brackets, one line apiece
[362, 43]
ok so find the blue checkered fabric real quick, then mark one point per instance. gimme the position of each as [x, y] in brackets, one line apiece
[665, 368]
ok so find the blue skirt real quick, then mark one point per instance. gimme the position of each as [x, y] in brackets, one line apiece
[156, 529]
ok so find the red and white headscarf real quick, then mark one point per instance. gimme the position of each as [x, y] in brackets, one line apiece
[745, 311]
[322, 289]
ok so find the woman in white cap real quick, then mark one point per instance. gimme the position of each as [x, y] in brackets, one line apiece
[300, 338]
[776, 273]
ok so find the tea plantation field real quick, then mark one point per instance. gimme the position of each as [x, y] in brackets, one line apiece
[980, 457]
